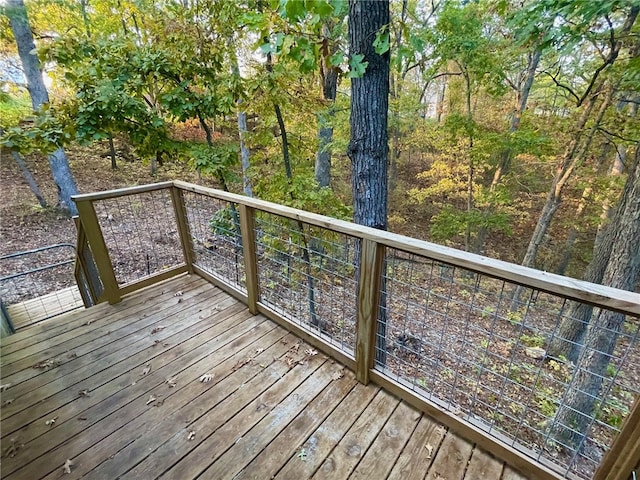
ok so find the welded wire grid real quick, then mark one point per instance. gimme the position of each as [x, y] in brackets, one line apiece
[214, 226]
[459, 339]
[307, 274]
[141, 234]
[39, 284]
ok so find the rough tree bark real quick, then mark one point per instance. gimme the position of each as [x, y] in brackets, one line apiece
[622, 271]
[62, 176]
[368, 146]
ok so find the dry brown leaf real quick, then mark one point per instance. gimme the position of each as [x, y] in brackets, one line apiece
[48, 363]
[338, 374]
[51, 421]
[67, 466]
[311, 352]
[171, 381]
[259, 351]
[72, 355]
[5, 387]
[157, 329]
[146, 369]
[206, 378]
[7, 402]
[295, 347]
[429, 448]
[84, 393]
[152, 398]
[289, 361]
[179, 293]
[191, 435]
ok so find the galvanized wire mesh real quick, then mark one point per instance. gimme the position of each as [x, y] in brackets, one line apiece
[307, 275]
[141, 234]
[214, 226]
[459, 339]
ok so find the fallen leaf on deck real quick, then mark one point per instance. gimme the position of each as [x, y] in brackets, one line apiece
[311, 352]
[429, 448]
[338, 374]
[72, 355]
[191, 435]
[289, 361]
[13, 448]
[89, 322]
[67, 466]
[171, 381]
[259, 351]
[179, 300]
[178, 293]
[206, 378]
[302, 454]
[152, 399]
[263, 365]
[295, 347]
[84, 393]
[49, 363]
[7, 402]
[157, 329]
[51, 421]
[82, 418]
[4, 387]
[146, 369]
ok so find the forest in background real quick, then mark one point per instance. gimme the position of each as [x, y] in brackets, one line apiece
[511, 123]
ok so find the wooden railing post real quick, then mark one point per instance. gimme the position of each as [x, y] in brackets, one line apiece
[369, 282]
[624, 455]
[101, 256]
[183, 226]
[249, 253]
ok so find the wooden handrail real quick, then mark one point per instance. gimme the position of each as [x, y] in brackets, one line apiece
[121, 192]
[570, 288]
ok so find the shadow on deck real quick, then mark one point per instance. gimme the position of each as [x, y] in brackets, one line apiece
[180, 380]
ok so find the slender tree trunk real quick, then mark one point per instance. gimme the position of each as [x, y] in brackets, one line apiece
[572, 236]
[622, 271]
[329, 75]
[440, 100]
[245, 153]
[28, 176]
[58, 162]
[112, 153]
[470, 171]
[368, 145]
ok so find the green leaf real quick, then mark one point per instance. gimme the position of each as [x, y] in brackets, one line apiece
[356, 66]
[381, 43]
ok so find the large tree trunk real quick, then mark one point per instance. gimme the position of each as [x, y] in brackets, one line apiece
[245, 153]
[329, 75]
[368, 145]
[58, 162]
[622, 271]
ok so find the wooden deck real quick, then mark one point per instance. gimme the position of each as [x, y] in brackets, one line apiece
[42, 308]
[181, 381]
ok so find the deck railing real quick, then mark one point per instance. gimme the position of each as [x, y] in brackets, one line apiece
[468, 339]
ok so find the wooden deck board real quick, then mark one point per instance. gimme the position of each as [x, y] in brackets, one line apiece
[36, 310]
[270, 409]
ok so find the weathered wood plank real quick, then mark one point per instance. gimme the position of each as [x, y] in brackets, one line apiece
[510, 474]
[289, 442]
[452, 458]
[145, 433]
[483, 465]
[247, 227]
[419, 452]
[323, 440]
[384, 451]
[89, 340]
[236, 413]
[47, 332]
[346, 455]
[138, 396]
[254, 441]
[64, 389]
[38, 309]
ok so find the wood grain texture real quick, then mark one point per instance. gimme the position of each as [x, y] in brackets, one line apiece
[247, 227]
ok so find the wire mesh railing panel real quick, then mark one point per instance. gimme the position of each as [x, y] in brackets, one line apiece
[307, 274]
[551, 377]
[39, 284]
[214, 226]
[141, 234]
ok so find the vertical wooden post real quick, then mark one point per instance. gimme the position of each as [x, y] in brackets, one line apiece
[94, 236]
[183, 226]
[89, 296]
[249, 253]
[369, 282]
[624, 455]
